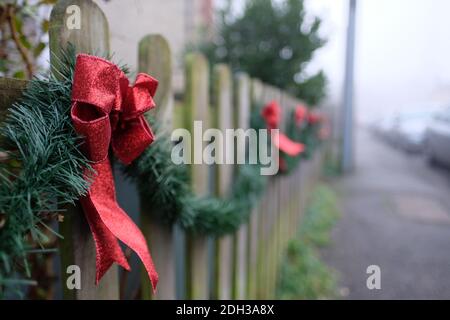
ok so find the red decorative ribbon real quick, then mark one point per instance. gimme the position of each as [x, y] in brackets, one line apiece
[272, 114]
[301, 114]
[314, 117]
[107, 111]
[325, 130]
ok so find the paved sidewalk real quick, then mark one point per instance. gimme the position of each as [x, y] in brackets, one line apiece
[395, 214]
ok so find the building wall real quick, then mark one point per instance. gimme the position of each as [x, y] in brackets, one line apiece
[177, 20]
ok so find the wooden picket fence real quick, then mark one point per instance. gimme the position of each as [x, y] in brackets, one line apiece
[244, 265]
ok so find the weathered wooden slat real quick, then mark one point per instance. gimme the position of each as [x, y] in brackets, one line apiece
[10, 91]
[155, 59]
[254, 237]
[78, 248]
[275, 216]
[286, 189]
[222, 114]
[241, 254]
[295, 184]
[267, 207]
[196, 108]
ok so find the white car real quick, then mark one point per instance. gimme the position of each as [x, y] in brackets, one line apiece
[409, 131]
[437, 138]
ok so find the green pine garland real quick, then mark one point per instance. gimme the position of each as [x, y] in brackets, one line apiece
[169, 197]
[166, 188]
[43, 170]
[306, 134]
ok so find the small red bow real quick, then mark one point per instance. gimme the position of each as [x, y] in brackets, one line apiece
[314, 117]
[301, 114]
[106, 111]
[272, 115]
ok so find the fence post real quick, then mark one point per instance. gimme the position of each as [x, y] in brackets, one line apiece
[222, 116]
[266, 208]
[10, 91]
[154, 58]
[274, 216]
[77, 248]
[287, 188]
[196, 108]
[254, 244]
[241, 254]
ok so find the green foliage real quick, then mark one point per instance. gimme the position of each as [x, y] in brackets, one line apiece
[271, 41]
[169, 197]
[42, 171]
[320, 217]
[23, 36]
[164, 185]
[307, 133]
[303, 274]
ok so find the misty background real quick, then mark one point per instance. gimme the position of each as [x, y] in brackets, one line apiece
[401, 53]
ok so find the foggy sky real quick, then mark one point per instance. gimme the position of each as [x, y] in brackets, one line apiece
[402, 52]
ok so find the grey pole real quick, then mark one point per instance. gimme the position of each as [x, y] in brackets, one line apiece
[347, 123]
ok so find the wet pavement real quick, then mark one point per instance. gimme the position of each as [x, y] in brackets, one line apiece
[396, 215]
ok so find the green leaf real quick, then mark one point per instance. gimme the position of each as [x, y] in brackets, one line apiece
[25, 42]
[38, 49]
[45, 25]
[49, 2]
[19, 74]
[18, 23]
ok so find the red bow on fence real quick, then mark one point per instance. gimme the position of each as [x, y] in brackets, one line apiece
[107, 111]
[301, 114]
[314, 117]
[272, 115]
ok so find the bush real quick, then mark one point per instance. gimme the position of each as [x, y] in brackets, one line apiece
[273, 42]
[303, 274]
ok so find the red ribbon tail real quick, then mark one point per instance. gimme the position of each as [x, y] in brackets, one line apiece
[288, 146]
[111, 218]
[107, 247]
[126, 231]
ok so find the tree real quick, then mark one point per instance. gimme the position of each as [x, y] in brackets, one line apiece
[273, 42]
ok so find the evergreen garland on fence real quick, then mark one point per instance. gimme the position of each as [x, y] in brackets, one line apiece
[306, 133]
[166, 188]
[41, 169]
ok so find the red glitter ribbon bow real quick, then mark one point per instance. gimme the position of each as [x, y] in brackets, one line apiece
[272, 114]
[314, 117]
[107, 111]
[301, 114]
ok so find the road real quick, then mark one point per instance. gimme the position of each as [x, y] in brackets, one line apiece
[396, 215]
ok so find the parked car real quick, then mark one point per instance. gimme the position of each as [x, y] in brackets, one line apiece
[383, 127]
[437, 138]
[409, 130]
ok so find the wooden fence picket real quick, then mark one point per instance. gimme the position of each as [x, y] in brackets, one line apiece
[241, 238]
[285, 188]
[274, 217]
[222, 115]
[244, 265]
[254, 239]
[196, 108]
[10, 91]
[155, 59]
[78, 248]
[268, 210]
